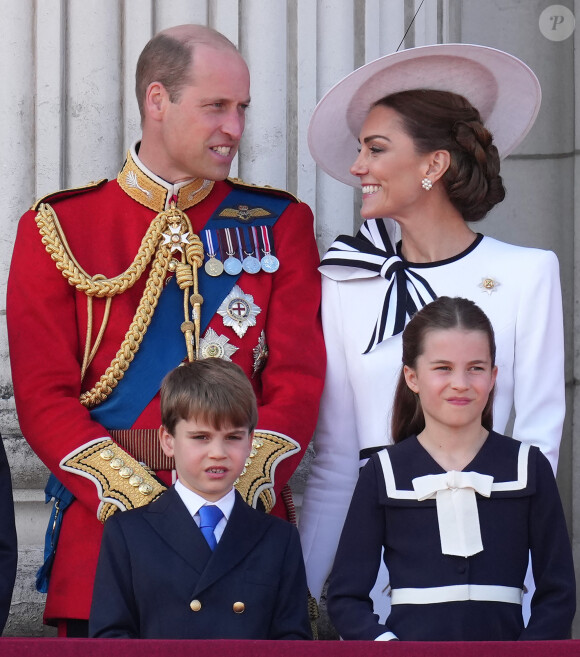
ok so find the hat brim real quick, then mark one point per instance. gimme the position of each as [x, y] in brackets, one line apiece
[504, 90]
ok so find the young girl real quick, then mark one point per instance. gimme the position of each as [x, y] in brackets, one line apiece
[456, 506]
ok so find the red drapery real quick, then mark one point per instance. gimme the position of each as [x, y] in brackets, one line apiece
[45, 647]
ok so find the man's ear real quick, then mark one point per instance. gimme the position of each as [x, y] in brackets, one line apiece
[166, 440]
[156, 98]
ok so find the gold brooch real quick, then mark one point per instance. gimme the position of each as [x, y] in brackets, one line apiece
[489, 284]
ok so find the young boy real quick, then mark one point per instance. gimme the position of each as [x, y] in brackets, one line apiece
[162, 576]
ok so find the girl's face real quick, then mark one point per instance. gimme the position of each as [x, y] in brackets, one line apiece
[389, 168]
[453, 377]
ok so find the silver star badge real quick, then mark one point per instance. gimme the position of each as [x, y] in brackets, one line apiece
[213, 345]
[239, 311]
[489, 285]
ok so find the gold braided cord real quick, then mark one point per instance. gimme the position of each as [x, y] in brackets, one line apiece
[183, 275]
[98, 286]
[89, 353]
[195, 252]
[99, 338]
[195, 255]
[134, 336]
[57, 246]
[186, 276]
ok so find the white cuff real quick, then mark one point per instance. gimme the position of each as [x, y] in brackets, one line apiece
[387, 636]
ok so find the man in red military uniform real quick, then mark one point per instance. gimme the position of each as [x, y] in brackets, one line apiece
[114, 284]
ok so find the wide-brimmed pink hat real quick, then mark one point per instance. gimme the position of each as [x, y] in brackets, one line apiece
[504, 90]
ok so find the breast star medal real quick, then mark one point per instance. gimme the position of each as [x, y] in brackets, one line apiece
[239, 311]
[213, 345]
[489, 284]
[260, 353]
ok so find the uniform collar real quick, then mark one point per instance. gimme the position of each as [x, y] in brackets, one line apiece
[143, 186]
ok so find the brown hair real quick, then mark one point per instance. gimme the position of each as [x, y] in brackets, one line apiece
[443, 313]
[442, 120]
[212, 390]
[168, 56]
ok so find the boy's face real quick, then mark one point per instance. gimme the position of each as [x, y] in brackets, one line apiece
[207, 460]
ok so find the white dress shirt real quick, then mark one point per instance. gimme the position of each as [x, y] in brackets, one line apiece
[194, 502]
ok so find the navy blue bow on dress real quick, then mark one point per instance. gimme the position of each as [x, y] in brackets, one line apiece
[209, 516]
[372, 253]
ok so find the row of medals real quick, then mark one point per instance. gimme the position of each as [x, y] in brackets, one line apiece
[234, 266]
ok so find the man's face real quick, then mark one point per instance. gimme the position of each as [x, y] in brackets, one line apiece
[201, 132]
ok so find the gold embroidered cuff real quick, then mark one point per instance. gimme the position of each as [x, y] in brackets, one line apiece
[257, 479]
[121, 481]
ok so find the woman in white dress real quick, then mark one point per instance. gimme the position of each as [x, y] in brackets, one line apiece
[428, 163]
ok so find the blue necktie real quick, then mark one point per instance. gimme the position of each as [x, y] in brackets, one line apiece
[209, 518]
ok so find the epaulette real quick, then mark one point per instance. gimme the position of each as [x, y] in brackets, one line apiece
[236, 182]
[67, 193]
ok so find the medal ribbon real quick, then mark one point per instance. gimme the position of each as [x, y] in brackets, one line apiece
[255, 242]
[266, 242]
[231, 249]
[221, 242]
[245, 239]
[210, 248]
[239, 237]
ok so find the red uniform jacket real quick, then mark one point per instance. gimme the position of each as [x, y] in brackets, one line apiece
[47, 323]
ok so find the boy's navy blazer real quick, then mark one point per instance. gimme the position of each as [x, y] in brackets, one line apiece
[158, 578]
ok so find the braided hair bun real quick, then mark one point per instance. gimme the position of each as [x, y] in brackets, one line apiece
[442, 120]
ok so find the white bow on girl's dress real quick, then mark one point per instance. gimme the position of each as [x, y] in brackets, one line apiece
[457, 512]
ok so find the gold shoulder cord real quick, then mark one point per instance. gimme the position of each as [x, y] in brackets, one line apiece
[155, 245]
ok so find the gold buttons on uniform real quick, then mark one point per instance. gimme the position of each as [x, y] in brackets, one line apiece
[239, 607]
[135, 480]
[145, 489]
[195, 605]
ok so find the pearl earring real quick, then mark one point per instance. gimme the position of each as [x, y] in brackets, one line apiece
[426, 184]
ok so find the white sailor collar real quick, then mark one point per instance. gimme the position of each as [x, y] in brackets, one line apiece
[513, 457]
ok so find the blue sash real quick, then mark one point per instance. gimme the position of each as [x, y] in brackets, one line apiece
[163, 346]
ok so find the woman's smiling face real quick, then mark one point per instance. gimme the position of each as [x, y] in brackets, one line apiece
[389, 167]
